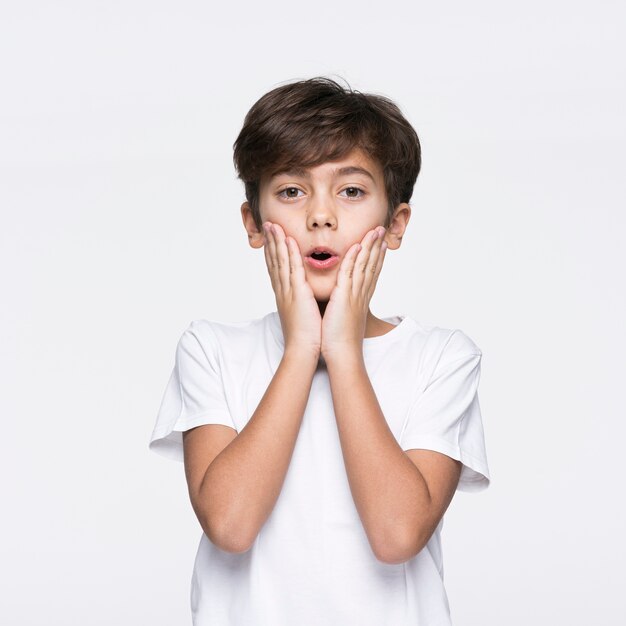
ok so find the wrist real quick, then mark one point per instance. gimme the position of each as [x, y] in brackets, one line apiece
[303, 354]
[345, 353]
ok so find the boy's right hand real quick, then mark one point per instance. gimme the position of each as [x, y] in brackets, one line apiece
[299, 312]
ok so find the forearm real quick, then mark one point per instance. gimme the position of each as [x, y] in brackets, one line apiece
[241, 485]
[389, 492]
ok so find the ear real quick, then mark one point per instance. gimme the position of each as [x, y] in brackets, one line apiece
[399, 222]
[256, 238]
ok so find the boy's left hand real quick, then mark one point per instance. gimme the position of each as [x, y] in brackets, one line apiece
[345, 316]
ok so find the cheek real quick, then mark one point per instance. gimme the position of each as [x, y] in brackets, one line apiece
[356, 237]
[277, 217]
[291, 229]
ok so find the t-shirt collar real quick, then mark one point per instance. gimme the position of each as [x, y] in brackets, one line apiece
[402, 322]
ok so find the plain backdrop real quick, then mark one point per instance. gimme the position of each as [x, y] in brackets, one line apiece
[120, 224]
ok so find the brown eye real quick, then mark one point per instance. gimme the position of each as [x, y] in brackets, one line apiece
[289, 192]
[353, 192]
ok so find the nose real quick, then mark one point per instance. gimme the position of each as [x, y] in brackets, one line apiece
[321, 215]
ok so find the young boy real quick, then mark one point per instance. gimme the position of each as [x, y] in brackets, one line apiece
[322, 445]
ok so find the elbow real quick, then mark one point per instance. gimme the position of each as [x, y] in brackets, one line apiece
[232, 544]
[394, 556]
[228, 537]
[399, 549]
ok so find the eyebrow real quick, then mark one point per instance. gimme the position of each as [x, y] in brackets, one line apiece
[342, 171]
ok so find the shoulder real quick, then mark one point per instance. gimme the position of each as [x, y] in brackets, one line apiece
[213, 335]
[453, 341]
[442, 345]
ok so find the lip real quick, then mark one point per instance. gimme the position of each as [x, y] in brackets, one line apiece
[322, 265]
[321, 249]
[331, 261]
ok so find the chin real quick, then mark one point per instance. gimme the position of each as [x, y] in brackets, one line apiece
[322, 286]
[322, 296]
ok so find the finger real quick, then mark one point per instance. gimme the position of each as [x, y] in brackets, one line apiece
[272, 264]
[266, 247]
[345, 275]
[374, 261]
[379, 266]
[296, 264]
[362, 261]
[282, 257]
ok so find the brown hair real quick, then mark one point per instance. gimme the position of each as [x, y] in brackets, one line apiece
[309, 122]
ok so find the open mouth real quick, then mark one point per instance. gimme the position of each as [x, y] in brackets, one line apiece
[322, 259]
[321, 256]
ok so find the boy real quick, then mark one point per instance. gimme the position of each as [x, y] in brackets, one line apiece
[322, 445]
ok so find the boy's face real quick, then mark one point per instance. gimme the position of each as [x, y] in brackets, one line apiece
[333, 206]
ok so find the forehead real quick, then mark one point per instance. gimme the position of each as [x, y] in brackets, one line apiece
[354, 163]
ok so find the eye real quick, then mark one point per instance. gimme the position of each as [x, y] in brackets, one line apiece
[289, 192]
[353, 192]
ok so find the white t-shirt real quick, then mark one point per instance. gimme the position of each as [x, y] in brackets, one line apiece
[311, 563]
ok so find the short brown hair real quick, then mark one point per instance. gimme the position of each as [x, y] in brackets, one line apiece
[308, 122]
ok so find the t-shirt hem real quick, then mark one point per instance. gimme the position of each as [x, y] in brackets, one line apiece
[167, 441]
[475, 475]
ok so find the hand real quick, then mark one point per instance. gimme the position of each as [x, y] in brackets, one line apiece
[297, 308]
[345, 317]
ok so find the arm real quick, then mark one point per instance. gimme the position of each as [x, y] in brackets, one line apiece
[233, 491]
[400, 496]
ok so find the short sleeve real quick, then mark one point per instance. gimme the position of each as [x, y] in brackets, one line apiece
[194, 394]
[446, 415]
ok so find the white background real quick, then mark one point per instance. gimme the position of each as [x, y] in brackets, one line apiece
[120, 224]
